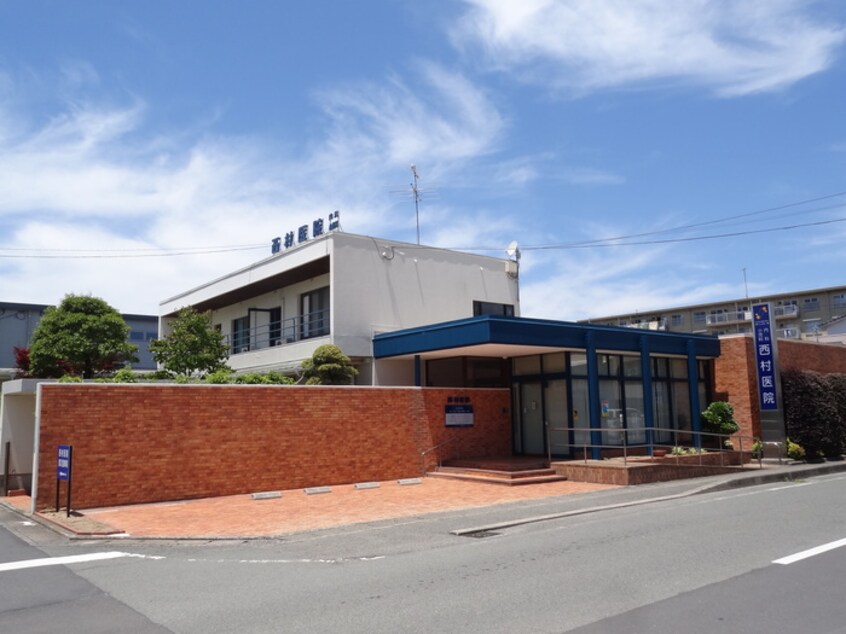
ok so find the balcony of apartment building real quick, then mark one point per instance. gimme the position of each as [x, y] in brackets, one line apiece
[728, 318]
[658, 323]
[246, 337]
[732, 317]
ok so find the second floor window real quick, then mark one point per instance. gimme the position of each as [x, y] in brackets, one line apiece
[314, 313]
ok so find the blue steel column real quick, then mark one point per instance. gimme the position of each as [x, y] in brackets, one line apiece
[693, 387]
[417, 370]
[646, 373]
[593, 396]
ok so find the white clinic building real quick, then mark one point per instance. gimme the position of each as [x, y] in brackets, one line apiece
[344, 289]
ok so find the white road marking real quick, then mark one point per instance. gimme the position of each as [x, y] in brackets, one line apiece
[70, 559]
[790, 559]
[790, 486]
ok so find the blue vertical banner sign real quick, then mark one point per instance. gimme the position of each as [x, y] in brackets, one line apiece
[63, 467]
[765, 356]
[64, 471]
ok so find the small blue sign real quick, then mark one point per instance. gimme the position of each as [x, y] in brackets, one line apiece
[63, 467]
[765, 364]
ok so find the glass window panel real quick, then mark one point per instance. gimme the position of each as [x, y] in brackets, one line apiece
[555, 409]
[445, 372]
[631, 366]
[660, 367]
[635, 420]
[554, 362]
[678, 368]
[578, 363]
[580, 412]
[681, 411]
[661, 415]
[611, 412]
[527, 365]
[608, 364]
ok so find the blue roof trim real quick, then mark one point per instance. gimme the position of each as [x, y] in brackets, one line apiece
[493, 329]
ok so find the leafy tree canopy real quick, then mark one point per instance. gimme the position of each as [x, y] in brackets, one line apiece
[193, 345]
[328, 366]
[83, 336]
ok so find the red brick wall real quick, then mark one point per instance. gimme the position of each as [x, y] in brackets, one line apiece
[735, 380]
[146, 443]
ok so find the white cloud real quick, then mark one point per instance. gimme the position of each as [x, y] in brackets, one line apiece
[94, 177]
[733, 48]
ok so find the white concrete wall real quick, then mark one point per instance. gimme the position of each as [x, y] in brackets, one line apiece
[394, 372]
[17, 424]
[408, 286]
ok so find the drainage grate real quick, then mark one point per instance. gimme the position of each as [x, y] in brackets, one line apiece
[481, 534]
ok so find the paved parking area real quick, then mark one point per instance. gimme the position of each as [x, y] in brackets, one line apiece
[294, 511]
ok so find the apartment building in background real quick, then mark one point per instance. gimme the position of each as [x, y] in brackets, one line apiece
[811, 315]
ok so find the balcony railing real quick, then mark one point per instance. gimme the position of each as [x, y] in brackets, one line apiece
[279, 333]
[785, 312]
[732, 317]
[652, 324]
[728, 318]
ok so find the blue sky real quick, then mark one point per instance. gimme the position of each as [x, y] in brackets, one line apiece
[155, 129]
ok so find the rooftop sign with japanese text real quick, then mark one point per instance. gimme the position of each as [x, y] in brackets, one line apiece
[318, 228]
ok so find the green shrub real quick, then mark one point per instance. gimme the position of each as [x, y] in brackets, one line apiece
[159, 375]
[220, 377]
[70, 378]
[251, 378]
[277, 378]
[125, 375]
[794, 451]
[718, 418]
[810, 412]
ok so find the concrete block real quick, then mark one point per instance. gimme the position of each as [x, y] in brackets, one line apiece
[316, 490]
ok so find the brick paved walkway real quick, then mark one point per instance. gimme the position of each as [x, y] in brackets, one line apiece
[241, 516]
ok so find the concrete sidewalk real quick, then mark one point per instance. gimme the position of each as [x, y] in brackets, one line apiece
[241, 516]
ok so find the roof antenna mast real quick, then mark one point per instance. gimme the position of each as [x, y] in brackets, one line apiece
[415, 192]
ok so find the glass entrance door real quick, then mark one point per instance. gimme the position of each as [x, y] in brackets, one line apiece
[555, 408]
[531, 418]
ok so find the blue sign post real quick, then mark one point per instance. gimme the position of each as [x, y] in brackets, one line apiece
[64, 471]
[765, 356]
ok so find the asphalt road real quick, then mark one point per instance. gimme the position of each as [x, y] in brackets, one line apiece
[687, 564]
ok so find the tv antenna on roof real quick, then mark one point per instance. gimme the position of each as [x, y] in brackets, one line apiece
[417, 193]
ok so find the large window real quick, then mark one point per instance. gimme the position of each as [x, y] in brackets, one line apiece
[241, 334]
[275, 328]
[314, 313]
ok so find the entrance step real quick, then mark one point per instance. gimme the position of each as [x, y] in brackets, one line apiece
[495, 476]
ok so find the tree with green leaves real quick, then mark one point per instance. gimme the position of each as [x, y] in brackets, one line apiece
[328, 366]
[82, 336]
[193, 346]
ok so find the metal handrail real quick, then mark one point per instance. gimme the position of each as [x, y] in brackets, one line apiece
[650, 444]
[289, 330]
[424, 453]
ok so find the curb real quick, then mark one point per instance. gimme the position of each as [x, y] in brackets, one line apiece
[734, 482]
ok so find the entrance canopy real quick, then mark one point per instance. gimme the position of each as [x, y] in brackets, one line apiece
[497, 336]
